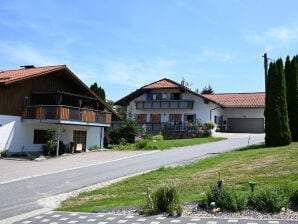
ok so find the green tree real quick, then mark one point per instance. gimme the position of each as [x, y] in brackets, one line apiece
[98, 91]
[291, 72]
[277, 124]
[207, 90]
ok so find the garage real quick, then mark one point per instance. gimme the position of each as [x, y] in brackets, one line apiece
[245, 125]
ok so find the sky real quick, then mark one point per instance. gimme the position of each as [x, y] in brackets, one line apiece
[126, 44]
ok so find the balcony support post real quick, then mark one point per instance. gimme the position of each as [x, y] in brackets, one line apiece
[58, 135]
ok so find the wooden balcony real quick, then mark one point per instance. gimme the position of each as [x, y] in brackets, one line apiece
[164, 104]
[66, 113]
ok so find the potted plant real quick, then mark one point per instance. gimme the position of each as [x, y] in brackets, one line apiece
[199, 124]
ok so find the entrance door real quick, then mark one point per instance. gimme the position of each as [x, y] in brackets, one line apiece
[79, 137]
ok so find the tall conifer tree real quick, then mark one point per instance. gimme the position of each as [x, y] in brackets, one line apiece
[277, 124]
[292, 97]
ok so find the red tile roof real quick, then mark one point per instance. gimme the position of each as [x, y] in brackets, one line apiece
[163, 83]
[10, 76]
[238, 100]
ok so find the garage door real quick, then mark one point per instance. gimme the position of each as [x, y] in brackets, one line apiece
[245, 125]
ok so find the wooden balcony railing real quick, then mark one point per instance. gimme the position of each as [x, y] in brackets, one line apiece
[165, 104]
[60, 112]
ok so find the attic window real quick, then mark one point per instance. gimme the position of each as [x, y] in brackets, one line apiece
[27, 66]
[206, 101]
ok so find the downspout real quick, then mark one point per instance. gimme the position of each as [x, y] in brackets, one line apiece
[211, 112]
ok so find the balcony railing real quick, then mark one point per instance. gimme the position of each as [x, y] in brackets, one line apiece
[67, 113]
[165, 104]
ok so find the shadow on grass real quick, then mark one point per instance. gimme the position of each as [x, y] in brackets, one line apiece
[252, 147]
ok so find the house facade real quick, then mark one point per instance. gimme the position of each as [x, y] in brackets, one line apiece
[168, 103]
[36, 99]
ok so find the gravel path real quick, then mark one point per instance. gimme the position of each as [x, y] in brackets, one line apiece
[189, 210]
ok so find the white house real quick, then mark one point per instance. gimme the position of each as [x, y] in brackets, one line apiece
[36, 99]
[166, 101]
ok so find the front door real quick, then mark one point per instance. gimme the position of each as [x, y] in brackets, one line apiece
[79, 137]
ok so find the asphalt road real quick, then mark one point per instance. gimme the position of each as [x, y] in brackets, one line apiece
[19, 197]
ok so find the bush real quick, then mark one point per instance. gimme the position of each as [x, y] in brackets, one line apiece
[157, 138]
[142, 144]
[4, 153]
[271, 199]
[128, 131]
[294, 199]
[209, 125]
[228, 199]
[164, 199]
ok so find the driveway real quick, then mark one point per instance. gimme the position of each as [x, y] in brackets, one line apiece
[20, 169]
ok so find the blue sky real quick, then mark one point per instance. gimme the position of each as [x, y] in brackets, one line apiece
[125, 44]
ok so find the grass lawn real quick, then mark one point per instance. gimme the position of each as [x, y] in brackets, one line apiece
[266, 166]
[166, 144]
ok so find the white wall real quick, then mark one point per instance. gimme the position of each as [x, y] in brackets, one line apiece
[17, 136]
[243, 113]
[200, 108]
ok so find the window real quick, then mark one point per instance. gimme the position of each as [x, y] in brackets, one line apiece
[141, 117]
[40, 137]
[155, 118]
[175, 117]
[157, 96]
[175, 96]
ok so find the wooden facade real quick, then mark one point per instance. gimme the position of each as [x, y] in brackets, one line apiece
[17, 97]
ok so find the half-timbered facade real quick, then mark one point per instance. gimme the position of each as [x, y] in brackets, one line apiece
[36, 99]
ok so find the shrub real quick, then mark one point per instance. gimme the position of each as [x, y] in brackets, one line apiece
[207, 133]
[209, 125]
[4, 153]
[141, 144]
[227, 199]
[294, 199]
[157, 138]
[271, 199]
[128, 131]
[164, 199]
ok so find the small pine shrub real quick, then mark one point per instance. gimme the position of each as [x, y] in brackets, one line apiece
[232, 201]
[164, 199]
[294, 199]
[271, 199]
[227, 199]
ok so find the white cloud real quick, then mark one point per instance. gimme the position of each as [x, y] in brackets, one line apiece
[275, 37]
[25, 54]
[135, 73]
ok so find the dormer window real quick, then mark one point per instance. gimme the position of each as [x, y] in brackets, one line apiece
[175, 96]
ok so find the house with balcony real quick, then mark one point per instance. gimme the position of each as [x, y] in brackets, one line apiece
[36, 99]
[168, 104]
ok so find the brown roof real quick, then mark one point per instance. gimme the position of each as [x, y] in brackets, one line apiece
[238, 100]
[10, 76]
